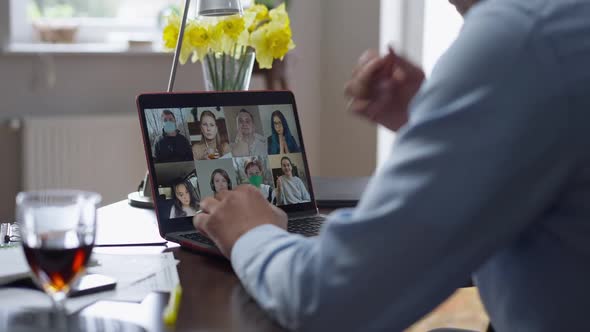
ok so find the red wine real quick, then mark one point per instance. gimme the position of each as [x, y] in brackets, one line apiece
[56, 268]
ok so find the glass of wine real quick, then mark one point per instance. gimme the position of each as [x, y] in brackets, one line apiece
[57, 231]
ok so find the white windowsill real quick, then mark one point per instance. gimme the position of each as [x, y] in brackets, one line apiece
[83, 48]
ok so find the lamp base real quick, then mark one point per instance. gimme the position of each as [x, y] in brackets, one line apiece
[139, 198]
[136, 199]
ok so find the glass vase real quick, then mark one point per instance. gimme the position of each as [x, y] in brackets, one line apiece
[228, 72]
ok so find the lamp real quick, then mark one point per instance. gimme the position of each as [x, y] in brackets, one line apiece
[143, 197]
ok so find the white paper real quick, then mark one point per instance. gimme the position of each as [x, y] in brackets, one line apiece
[136, 275]
[14, 264]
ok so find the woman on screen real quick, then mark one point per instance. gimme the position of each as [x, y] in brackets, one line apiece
[290, 188]
[281, 141]
[211, 146]
[186, 202]
[220, 181]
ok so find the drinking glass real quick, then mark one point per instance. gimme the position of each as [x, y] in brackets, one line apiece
[212, 153]
[57, 232]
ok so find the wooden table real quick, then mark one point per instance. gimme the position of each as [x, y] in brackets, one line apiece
[213, 298]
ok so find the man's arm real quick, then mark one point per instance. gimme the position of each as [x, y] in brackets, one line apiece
[481, 159]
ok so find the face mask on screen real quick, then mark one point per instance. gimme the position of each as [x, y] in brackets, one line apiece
[169, 127]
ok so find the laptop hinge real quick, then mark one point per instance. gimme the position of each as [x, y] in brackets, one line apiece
[299, 214]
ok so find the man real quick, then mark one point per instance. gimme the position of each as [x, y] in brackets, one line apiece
[490, 174]
[248, 142]
[172, 146]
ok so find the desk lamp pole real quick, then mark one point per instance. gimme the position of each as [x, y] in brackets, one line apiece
[178, 47]
[143, 197]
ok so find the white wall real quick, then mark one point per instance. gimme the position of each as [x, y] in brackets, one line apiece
[348, 144]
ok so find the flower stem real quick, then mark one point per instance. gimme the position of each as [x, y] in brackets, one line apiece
[239, 77]
[232, 68]
[223, 71]
[211, 70]
[216, 80]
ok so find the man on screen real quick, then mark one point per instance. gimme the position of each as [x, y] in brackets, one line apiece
[172, 146]
[248, 142]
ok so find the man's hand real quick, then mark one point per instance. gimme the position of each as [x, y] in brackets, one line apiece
[233, 213]
[381, 88]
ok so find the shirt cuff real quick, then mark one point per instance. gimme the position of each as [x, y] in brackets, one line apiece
[248, 244]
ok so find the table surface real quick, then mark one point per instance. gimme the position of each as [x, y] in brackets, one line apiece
[212, 299]
[212, 295]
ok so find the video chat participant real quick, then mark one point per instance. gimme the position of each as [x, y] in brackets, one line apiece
[220, 181]
[172, 146]
[254, 168]
[489, 174]
[186, 202]
[290, 188]
[281, 141]
[211, 146]
[248, 142]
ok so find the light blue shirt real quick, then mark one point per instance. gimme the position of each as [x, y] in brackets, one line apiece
[491, 176]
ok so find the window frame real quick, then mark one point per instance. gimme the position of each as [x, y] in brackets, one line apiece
[402, 23]
[91, 30]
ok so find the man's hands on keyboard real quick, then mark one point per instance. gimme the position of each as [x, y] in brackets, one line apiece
[230, 214]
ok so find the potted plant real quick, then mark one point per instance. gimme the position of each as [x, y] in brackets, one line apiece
[52, 21]
[228, 46]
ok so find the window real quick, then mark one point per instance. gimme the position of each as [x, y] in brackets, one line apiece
[95, 21]
[421, 28]
[124, 10]
[441, 26]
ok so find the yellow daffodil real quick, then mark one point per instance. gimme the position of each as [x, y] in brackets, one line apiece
[170, 33]
[260, 10]
[170, 38]
[271, 41]
[279, 15]
[260, 13]
[233, 26]
[198, 38]
[267, 32]
[229, 33]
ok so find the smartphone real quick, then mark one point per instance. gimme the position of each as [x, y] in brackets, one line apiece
[92, 283]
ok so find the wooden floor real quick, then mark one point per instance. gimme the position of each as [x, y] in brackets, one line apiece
[462, 310]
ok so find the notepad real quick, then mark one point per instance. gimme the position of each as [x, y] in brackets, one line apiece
[14, 264]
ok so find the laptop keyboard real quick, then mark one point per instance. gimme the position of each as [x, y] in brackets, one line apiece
[198, 237]
[306, 226]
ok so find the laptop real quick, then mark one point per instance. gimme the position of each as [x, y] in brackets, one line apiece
[199, 144]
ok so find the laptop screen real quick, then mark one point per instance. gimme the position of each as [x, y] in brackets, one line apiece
[199, 151]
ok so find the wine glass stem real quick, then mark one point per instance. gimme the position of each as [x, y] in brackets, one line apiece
[59, 307]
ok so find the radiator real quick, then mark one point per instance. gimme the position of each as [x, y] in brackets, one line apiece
[99, 153]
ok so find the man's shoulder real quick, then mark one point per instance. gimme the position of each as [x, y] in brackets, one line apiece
[159, 139]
